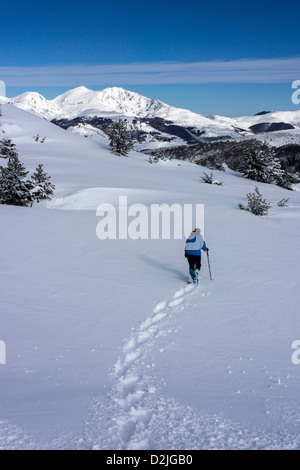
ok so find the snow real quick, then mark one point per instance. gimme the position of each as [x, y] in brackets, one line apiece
[280, 138]
[291, 117]
[117, 103]
[107, 346]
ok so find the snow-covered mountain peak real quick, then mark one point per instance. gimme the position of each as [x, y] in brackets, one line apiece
[73, 94]
[31, 97]
[152, 122]
[119, 94]
[34, 102]
[127, 102]
[81, 101]
[150, 119]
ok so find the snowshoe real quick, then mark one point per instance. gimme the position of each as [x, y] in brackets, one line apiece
[194, 276]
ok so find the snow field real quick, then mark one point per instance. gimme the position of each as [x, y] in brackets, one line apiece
[205, 368]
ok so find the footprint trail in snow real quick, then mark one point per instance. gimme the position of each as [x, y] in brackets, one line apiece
[135, 416]
[132, 381]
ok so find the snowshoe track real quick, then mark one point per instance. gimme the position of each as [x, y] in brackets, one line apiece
[136, 416]
[133, 378]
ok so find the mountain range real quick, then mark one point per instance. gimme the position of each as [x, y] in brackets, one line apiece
[153, 124]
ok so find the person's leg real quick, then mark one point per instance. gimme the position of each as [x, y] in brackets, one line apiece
[192, 264]
[191, 261]
[198, 262]
[197, 267]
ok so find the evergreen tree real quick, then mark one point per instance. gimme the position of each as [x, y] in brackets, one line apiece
[8, 149]
[260, 164]
[273, 165]
[119, 138]
[256, 203]
[287, 180]
[14, 188]
[42, 186]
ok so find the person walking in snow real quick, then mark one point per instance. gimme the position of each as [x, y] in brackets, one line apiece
[193, 246]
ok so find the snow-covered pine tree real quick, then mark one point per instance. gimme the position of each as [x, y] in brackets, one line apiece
[256, 203]
[14, 188]
[259, 163]
[287, 179]
[42, 186]
[119, 138]
[252, 166]
[274, 165]
[8, 149]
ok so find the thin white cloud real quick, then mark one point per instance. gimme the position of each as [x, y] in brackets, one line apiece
[278, 70]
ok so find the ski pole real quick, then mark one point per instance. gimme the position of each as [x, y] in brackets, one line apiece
[209, 265]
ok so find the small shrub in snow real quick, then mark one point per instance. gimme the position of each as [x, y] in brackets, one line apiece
[257, 205]
[210, 179]
[153, 159]
[38, 138]
[160, 156]
[283, 202]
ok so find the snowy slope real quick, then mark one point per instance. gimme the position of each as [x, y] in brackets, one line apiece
[291, 117]
[107, 347]
[280, 138]
[275, 138]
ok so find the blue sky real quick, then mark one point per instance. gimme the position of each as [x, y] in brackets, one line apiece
[216, 57]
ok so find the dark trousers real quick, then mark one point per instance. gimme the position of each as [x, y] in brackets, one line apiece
[194, 261]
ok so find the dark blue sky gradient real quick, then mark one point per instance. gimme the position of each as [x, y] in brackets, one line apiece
[118, 32]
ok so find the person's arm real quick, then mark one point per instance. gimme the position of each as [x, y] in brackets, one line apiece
[204, 247]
